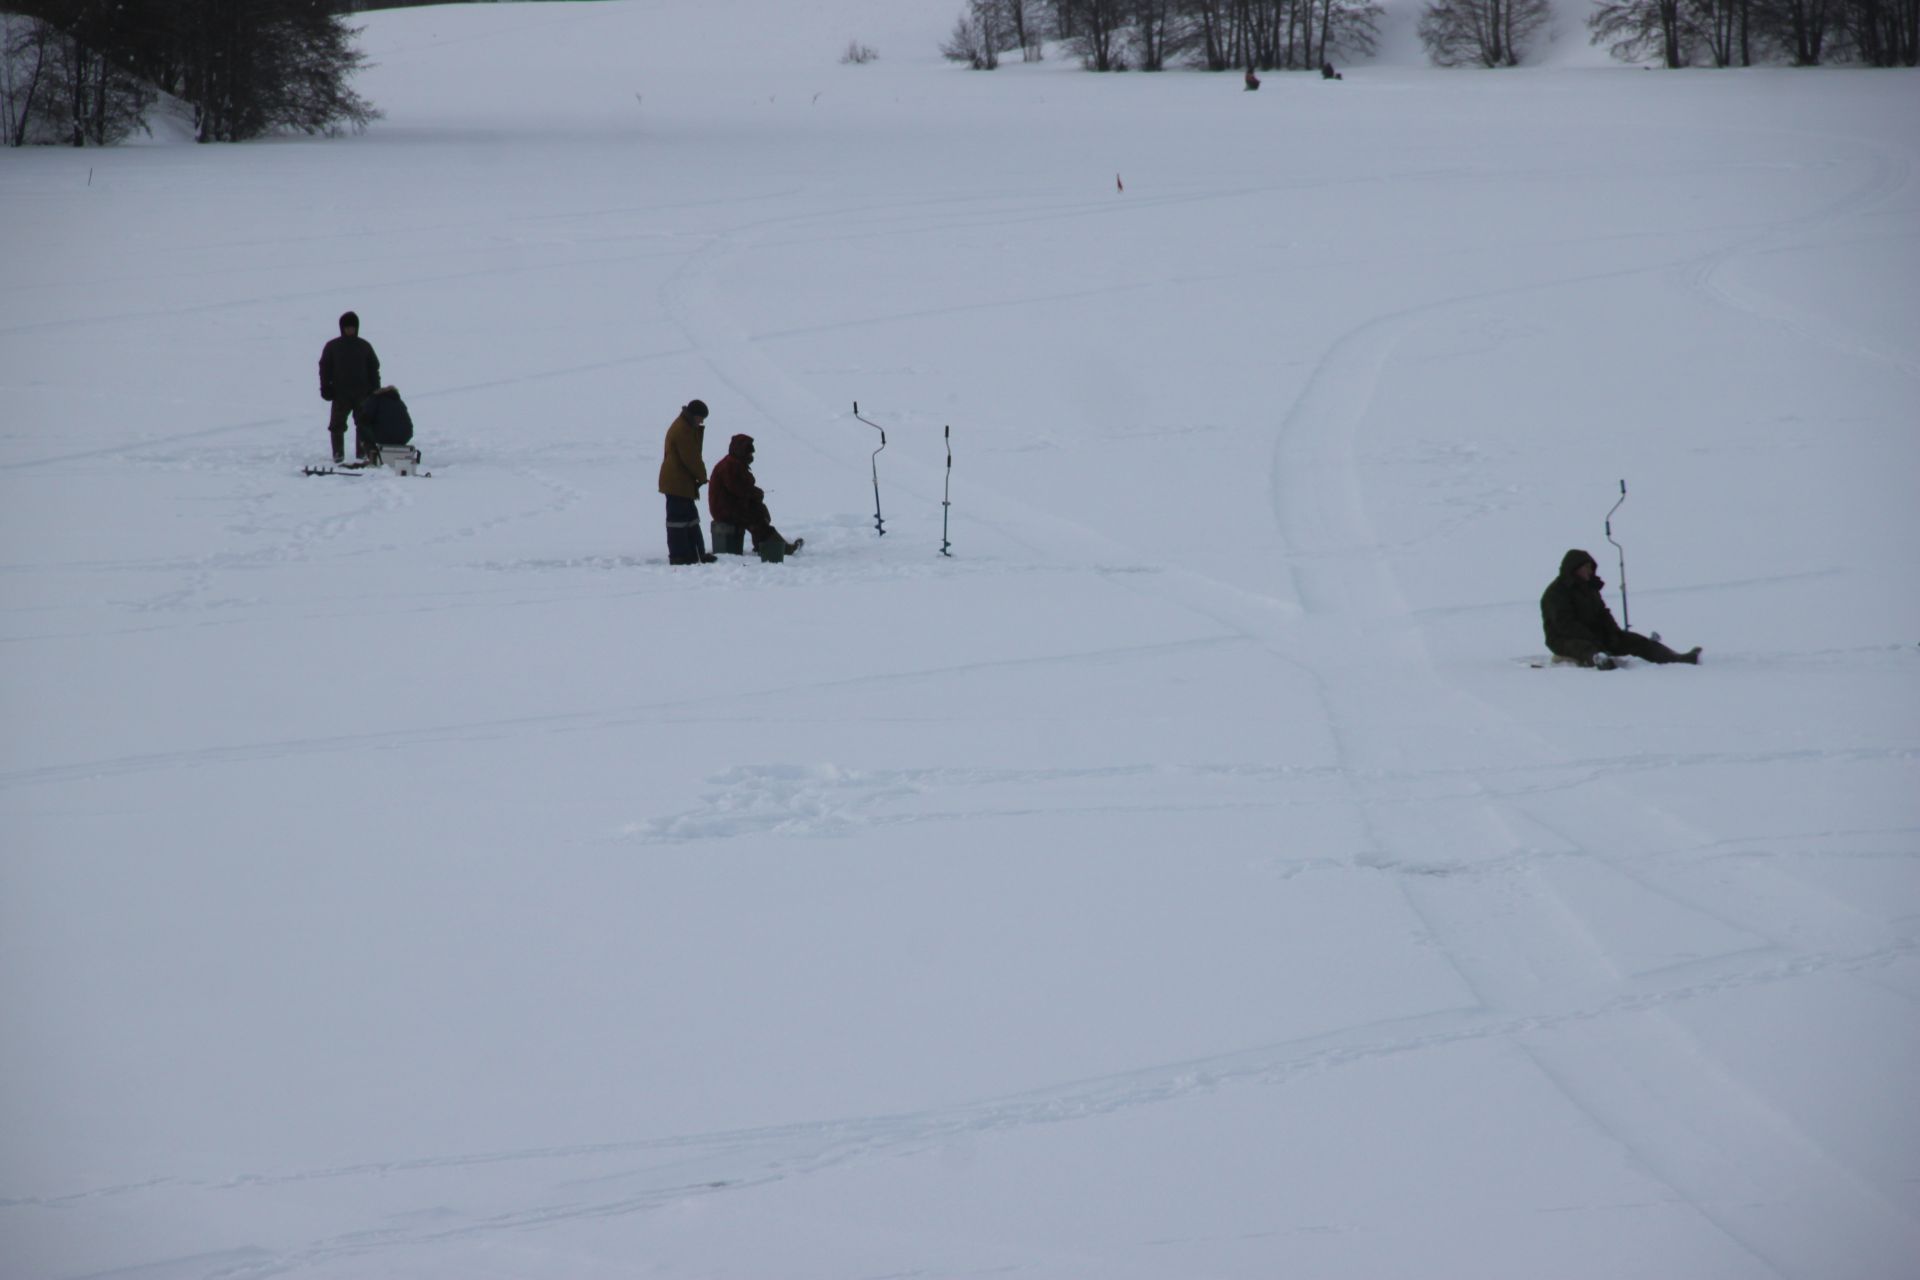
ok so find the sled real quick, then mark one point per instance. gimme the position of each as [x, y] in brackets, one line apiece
[401, 459]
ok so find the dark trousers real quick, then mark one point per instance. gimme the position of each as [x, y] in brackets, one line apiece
[1628, 644]
[1635, 645]
[731, 540]
[337, 428]
[684, 543]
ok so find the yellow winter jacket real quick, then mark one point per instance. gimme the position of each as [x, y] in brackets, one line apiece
[683, 470]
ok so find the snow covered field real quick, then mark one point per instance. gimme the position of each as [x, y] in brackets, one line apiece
[1188, 878]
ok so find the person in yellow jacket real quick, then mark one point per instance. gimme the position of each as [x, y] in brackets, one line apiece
[682, 472]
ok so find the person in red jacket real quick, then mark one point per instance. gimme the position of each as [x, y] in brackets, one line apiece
[737, 505]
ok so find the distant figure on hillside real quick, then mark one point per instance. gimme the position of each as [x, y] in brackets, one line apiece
[738, 506]
[1327, 72]
[1580, 627]
[1253, 81]
[682, 471]
[349, 373]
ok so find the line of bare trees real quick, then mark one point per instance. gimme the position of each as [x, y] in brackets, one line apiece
[63, 84]
[1150, 35]
[1481, 33]
[85, 72]
[1684, 33]
[1725, 33]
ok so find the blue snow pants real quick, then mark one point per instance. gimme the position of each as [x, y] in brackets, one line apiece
[685, 545]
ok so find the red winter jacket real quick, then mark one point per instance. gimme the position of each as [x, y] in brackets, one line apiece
[732, 495]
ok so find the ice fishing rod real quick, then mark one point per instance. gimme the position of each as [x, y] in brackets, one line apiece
[1626, 618]
[946, 494]
[879, 525]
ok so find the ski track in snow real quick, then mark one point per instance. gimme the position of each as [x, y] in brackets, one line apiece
[743, 1159]
[1890, 176]
[1667, 1094]
[815, 800]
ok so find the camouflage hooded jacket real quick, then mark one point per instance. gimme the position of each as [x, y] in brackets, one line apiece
[1575, 618]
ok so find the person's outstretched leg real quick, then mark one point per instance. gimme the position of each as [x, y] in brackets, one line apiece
[1653, 651]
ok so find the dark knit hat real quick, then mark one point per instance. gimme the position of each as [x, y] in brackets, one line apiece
[349, 321]
[696, 409]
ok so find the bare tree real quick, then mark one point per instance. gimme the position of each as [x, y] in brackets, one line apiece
[251, 67]
[975, 39]
[1883, 33]
[1801, 27]
[247, 67]
[1096, 30]
[1217, 34]
[26, 59]
[1156, 26]
[1635, 29]
[1276, 35]
[1348, 28]
[1020, 23]
[1905, 21]
[94, 99]
[1722, 26]
[1487, 33]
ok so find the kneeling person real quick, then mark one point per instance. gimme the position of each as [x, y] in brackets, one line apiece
[385, 421]
[739, 507]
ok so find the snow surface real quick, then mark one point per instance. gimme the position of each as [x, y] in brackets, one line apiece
[1188, 878]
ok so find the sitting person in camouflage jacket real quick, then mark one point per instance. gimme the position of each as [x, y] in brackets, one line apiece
[1580, 627]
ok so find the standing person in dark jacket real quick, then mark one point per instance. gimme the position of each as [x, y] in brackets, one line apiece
[349, 373]
[737, 503]
[682, 472]
[1581, 627]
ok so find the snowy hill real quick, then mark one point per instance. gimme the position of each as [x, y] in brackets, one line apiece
[1190, 876]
